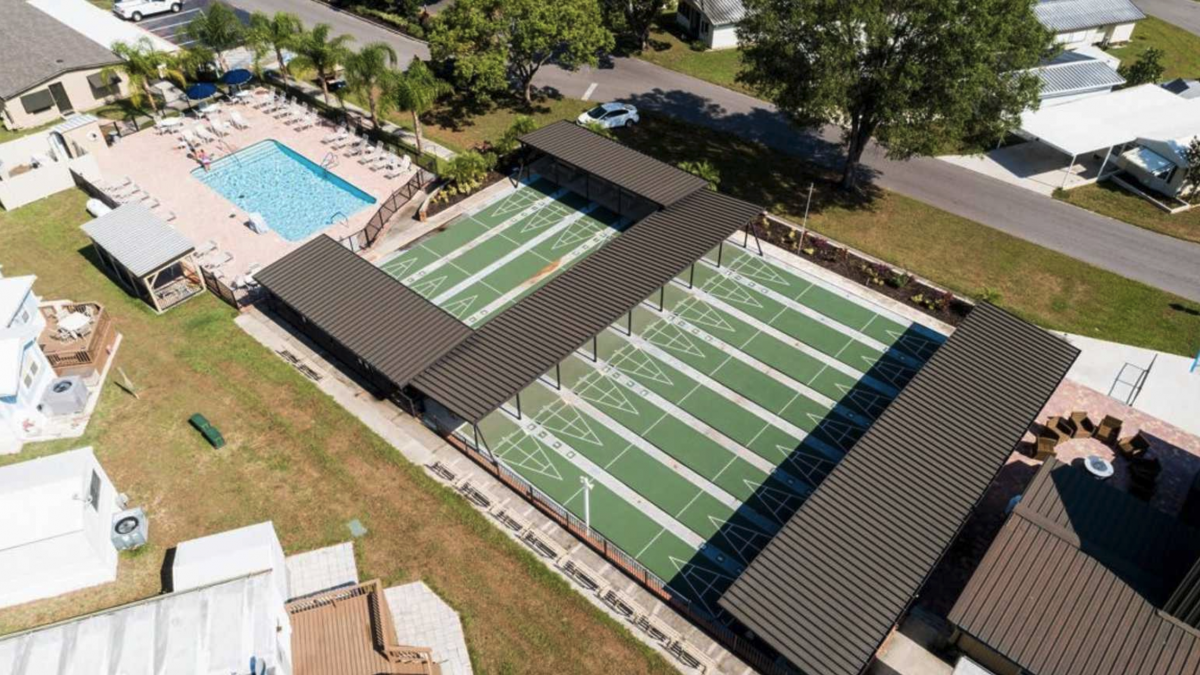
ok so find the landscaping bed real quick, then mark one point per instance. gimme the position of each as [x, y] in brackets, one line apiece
[435, 206]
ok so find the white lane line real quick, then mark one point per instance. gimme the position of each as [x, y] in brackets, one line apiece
[766, 416]
[591, 88]
[172, 25]
[513, 254]
[594, 241]
[799, 345]
[526, 212]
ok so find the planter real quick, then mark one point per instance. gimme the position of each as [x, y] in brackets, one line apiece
[432, 207]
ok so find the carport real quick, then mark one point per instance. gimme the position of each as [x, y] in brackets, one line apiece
[1102, 124]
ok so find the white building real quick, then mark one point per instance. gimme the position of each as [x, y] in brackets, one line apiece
[712, 22]
[55, 516]
[1082, 23]
[24, 370]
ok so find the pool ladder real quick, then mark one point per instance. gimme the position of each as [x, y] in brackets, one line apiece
[229, 150]
[339, 217]
[331, 160]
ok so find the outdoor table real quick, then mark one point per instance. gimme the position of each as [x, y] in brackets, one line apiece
[1098, 466]
[74, 322]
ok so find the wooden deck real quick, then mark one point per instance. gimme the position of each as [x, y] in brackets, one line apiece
[349, 631]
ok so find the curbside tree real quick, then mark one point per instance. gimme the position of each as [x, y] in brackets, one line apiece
[914, 75]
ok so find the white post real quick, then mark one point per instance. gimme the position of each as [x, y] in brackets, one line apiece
[1104, 163]
[1068, 174]
[807, 204]
[587, 500]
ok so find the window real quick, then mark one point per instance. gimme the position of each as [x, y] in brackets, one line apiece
[94, 491]
[704, 28]
[31, 371]
[37, 101]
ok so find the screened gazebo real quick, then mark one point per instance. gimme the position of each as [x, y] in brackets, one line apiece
[146, 255]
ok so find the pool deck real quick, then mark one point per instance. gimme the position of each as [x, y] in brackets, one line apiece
[159, 167]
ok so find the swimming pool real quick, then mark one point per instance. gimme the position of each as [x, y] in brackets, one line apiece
[295, 196]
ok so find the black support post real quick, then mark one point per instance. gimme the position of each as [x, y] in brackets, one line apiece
[595, 349]
[558, 374]
[662, 297]
[692, 277]
[518, 405]
[629, 326]
[720, 251]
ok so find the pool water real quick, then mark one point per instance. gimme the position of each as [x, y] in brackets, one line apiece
[295, 196]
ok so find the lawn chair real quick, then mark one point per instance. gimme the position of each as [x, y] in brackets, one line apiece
[1047, 440]
[308, 122]
[238, 121]
[343, 141]
[220, 128]
[369, 155]
[387, 161]
[1133, 447]
[356, 149]
[335, 136]
[1109, 430]
[204, 134]
[1083, 425]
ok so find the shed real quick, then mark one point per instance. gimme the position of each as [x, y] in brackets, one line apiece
[147, 255]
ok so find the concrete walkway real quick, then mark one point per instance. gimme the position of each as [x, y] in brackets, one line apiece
[424, 619]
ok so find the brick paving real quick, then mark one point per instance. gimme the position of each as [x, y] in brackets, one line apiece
[321, 569]
[422, 619]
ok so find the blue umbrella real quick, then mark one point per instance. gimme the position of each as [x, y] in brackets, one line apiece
[201, 91]
[236, 77]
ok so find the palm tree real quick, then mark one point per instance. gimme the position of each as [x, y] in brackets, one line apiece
[219, 29]
[315, 50]
[278, 32]
[370, 74]
[417, 91]
[142, 65]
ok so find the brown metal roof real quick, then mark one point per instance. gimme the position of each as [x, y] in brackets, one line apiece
[390, 327]
[511, 351]
[640, 174]
[350, 631]
[1074, 581]
[829, 587]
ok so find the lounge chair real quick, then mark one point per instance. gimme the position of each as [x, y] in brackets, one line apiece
[336, 136]
[369, 155]
[1083, 425]
[1133, 447]
[238, 121]
[343, 142]
[1047, 439]
[216, 260]
[189, 140]
[220, 127]
[1109, 429]
[258, 224]
[307, 123]
[387, 161]
[356, 149]
[206, 248]
[204, 134]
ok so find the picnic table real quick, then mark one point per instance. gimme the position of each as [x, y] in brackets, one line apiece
[74, 322]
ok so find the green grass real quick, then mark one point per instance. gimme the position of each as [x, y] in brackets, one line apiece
[1181, 49]
[7, 135]
[670, 48]
[459, 129]
[295, 457]
[1110, 200]
[1044, 286]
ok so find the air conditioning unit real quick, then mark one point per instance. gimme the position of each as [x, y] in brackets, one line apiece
[130, 529]
[64, 396]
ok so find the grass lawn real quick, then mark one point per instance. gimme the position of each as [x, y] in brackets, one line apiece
[1181, 49]
[1110, 200]
[1041, 285]
[459, 130]
[295, 457]
[669, 48]
[7, 135]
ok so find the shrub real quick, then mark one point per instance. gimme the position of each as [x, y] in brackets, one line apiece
[521, 125]
[703, 169]
[597, 128]
[466, 172]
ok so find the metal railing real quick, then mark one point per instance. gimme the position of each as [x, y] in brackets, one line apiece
[616, 556]
[366, 237]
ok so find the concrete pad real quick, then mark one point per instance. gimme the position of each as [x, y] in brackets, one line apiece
[321, 569]
[1033, 166]
[424, 620]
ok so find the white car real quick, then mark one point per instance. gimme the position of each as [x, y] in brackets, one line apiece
[136, 9]
[610, 115]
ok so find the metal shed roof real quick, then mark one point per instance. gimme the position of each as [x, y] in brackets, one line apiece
[1069, 15]
[138, 239]
[389, 326]
[1107, 120]
[1073, 583]
[831, 584]
[511, 351]
[721, 12]
[1073, 73]
[640, 174]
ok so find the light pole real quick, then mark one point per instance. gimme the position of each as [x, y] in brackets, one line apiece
[587, 500]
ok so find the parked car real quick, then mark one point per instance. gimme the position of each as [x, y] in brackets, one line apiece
[135, 10]
[610, 115]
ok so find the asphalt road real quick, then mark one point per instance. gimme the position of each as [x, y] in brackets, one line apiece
[1154, 259]
[1182, 13]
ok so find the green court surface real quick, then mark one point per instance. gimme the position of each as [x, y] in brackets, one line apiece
[705, 418]
[487, 260]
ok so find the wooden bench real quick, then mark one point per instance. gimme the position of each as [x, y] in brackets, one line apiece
[621, 604]
[509, 518]
[658, 630]
[542, 544]
[476, 495]
[442, 471]
[692, 657]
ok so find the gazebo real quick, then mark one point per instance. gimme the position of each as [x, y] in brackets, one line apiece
[147, 255]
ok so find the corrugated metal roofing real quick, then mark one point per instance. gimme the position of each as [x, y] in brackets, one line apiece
[1072, 584]
[511, 351]
[74, 121]
[720, 12]
[140, 240]
[1076, 77]
[640, 174]
[831, 584]
[1068, 15]
[390, 327]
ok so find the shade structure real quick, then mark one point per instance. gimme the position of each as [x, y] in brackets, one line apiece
[236, 77]
[201, 91]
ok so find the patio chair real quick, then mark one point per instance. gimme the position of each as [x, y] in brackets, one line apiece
[238, 121]
[1047, 440]
[369, 155]
[1109, 430]
[388, 161]
[343, 141]
[204, 134]
[307, 123]
[1065, 426]
[356, 149]
[206, 248]
[1133, 447]
[1083, 425]
[335, 136]
[218, 258]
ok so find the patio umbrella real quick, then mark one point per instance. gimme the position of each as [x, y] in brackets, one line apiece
[200, 91]
[236, 77]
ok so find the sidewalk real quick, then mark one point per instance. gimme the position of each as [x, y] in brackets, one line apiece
[1168, 391]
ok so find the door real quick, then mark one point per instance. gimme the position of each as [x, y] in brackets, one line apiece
[60, 98]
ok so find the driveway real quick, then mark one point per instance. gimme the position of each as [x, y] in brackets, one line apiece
[1154, 259]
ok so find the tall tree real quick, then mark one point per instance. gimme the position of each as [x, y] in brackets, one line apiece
[490, 42]
[632, 18]
[417, 91]
[142, 65]
[316, 50]
[370, 74]
[915, 75]
[219, 29]
[277, 33]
